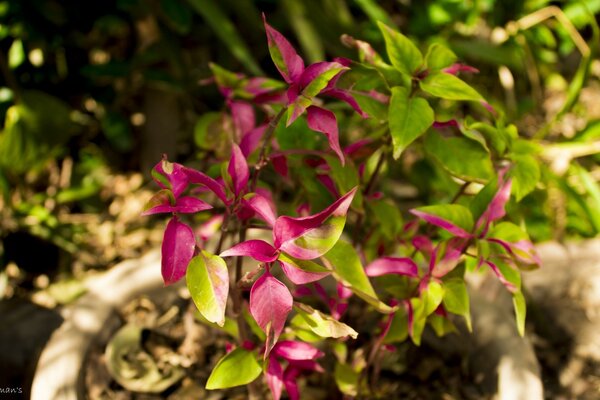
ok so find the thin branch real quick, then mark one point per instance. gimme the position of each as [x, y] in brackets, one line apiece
[262, 158]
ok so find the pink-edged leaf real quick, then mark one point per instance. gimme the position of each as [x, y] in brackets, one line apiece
[197, 177]
[270, 304]
[509, 285]
[243, 117]
[310, 237]
[523, 250]
[290, 376]
[300, 276]
[294, 350]
[170, 176]
[392, 265]
[329, 184]
[359, 147]
[345, 96]
[262, 206]
[325, 70]
[274, 375]
[283, 54]
[454, 69]
[452, 251]
[324, 121]
[207, 279]
[423, 244]
[161, 202]
[238, 170]
[257, 249]
[454, 218]
[177, 250]
[496, 209]
[251, 139]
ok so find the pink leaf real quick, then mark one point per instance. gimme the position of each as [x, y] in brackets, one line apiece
[324, 121]
[454, 69]
[289, 380]
[274, 375]
[294, 350]
[523, 250]
[280, 165]
[199, 178]
[177, 250]
[170, 176]
[251, 139]
[288, 229]
[392, 265]
[257, 249]
[345, 96]
[283, 54]
[452, 250]
[317, 69]
[184, 205]
[510, 286]
[238, 170]
[496, 209]
[210, 227]
[262, 206]
[299, 276]
[243, 117]
[270, 304]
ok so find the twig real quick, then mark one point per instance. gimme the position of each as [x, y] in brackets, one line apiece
[262, 158]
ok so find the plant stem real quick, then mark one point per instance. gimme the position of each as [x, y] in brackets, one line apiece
[262, 158]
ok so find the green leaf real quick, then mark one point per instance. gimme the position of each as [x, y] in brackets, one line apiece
[402, 52]
[207, 279]
[419, 320]
[322, 324]
[348, 269]
[387, 216]
[432, 297]
[474, 163]
[235, 369]
[525, 173]
[409, 117]
[208, 129]
[456, 299]
[446, 86]
[439, 57]
[509, 232]
[398, 331]
[321, 81]
[441, 325]
[520, 311]
[346, 379]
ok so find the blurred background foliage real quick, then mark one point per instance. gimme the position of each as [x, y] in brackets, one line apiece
[94, 92]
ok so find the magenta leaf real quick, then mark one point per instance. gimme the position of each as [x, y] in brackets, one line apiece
[170, 176]
[290, 376]
[197, 177]
[274, 375]
[502, 275]
[184, 205]
[346, 97]
[270, 304]
[177, 250]
[257, 249]
[251, 139]
[324, 121]
[496, 209]
[283, 54]
[262, 206]
[243, 117]
[294, 350]
[301, 272]
[392, 265]
[454, 69]
[310, 237]
[238, 170]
